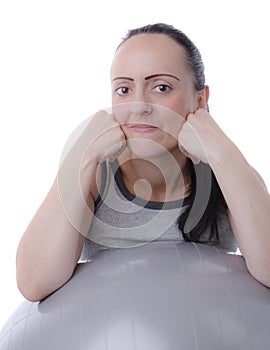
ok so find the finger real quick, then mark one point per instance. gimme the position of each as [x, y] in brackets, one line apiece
[118, 153]
[194, 159]
[182, 149]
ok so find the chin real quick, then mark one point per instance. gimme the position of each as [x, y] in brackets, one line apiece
[147, 149]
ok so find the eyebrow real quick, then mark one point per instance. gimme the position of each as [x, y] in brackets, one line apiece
[150, 77]
[161, 74]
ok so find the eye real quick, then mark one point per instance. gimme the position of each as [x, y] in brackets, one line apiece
[122, 90]
[162, 88]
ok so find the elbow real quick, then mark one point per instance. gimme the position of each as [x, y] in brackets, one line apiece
[265, 280]
[39, 284]
[261, 272]
[29, 286]
[36, 291]
[32, 293]
[262, 279]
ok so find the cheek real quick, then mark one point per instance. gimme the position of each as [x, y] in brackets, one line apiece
[172, 123]
[121, 112]
[183, 105]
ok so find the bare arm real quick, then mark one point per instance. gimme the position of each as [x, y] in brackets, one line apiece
[51, 246]
[244, 191]
[249, 210]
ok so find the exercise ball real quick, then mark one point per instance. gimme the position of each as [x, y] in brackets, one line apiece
[160, 296]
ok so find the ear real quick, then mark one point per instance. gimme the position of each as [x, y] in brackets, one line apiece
[203, 97]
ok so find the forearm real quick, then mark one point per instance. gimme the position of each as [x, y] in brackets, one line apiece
[249, 206]
[50, 248]
[51, 245]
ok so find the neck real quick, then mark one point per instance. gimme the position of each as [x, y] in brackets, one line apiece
[161, 179]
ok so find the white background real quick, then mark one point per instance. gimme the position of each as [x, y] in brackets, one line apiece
[55, 58]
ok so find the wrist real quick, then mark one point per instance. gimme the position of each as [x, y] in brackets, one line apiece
[227, 159]
[89, 160]
[225, 156]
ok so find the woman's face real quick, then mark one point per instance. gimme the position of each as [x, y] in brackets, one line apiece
[152, 91]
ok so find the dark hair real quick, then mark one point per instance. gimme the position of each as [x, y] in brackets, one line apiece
[198, 223]
[193, 56]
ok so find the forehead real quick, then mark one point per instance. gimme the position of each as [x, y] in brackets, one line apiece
[155, 52]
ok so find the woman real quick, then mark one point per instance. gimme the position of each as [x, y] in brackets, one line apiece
[158, 167]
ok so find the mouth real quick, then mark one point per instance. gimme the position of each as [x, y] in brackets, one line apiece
[143, 128]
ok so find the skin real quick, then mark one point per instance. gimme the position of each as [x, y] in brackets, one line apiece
[199, 138]
[151, 85]
[243, 188]
[157, 92]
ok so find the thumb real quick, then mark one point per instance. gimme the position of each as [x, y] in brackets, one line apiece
[187, 154]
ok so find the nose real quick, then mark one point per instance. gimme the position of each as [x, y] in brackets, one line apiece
[141, 108]
[134, 111]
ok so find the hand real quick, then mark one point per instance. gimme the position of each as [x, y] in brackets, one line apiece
[104, 137]
[200, 137]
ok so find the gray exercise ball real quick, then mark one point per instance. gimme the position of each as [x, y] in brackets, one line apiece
[160, 296]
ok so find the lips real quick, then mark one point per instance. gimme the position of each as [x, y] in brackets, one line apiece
[143, 128]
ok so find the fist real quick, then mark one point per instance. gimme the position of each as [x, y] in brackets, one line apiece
[200, 137]
[105, 137]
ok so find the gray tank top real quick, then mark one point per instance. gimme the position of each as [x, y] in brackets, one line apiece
[122, 220]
